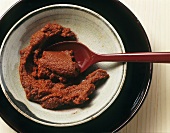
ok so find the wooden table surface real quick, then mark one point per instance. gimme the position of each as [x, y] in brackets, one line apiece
[154, 115]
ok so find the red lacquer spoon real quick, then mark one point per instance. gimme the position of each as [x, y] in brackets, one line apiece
[85, 57]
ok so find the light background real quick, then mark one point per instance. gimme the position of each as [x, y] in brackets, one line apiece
[154, 115]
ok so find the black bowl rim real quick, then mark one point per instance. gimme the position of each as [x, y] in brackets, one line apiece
[140, 99]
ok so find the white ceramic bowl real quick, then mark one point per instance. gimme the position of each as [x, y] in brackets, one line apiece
[91, 29]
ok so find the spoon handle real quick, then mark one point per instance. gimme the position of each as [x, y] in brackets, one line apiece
[154, 57]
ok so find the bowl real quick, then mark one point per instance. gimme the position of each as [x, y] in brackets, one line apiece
[127, 34]
[91, 29]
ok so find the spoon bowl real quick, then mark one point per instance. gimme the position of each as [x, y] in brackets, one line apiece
[82, 54]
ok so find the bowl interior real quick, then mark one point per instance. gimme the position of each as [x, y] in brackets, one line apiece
[92, 30]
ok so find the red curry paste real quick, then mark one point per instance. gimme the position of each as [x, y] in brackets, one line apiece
[48, 76]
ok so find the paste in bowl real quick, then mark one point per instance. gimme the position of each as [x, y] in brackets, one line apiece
[50, 78]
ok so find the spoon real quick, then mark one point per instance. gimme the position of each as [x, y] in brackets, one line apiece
[85, 57]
